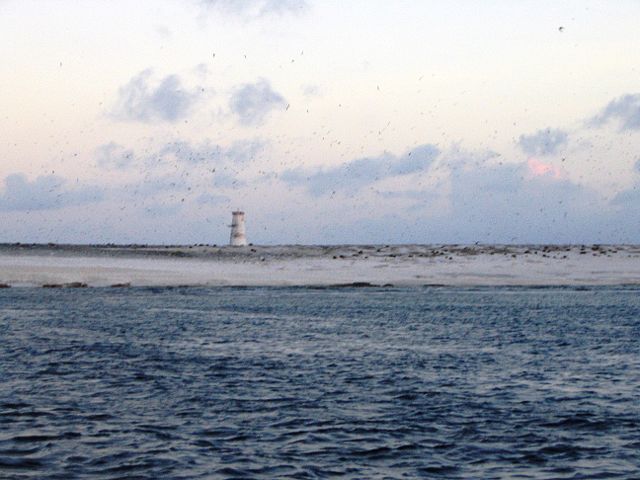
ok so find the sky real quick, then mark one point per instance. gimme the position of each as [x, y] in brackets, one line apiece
[327, 122]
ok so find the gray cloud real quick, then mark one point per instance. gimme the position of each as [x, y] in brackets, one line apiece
[185, 152]
[491, 203]
[113, 156]
[359, 173]
[507, 188]
[253, 102]
[227, 180]
[163, 209]
[141, 101]
[629, 197]
[244, 151]
[181, 169]
[210, 199]
[543, 142]
[625, 110]
[154, 185]
[510, 203]
[239, 152]
[257, 8]
[44, 193]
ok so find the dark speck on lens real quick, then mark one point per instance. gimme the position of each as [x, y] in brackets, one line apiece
[431, 382]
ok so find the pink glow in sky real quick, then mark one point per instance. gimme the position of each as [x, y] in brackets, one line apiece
[539, 168]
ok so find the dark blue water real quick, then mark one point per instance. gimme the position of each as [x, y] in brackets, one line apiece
[303, 383]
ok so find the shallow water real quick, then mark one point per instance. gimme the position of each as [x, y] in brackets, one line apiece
[305, 383]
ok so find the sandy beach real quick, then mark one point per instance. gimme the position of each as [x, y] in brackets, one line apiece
[52, 265]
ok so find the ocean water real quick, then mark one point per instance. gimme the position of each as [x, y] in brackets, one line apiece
[326, 383]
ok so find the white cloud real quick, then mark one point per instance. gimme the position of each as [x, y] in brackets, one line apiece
[257, 8]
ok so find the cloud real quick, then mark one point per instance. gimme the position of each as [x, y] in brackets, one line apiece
[471, 196]
[154, 185]
[629, 197]
[625, 110]
[182, 170]
[239, 152]
[496, 203]
[202, 70]
[359, 173]
[257, 8]
[311, 91]
[543, 142]
[163, 210]
[185, 152]
[512, 202]
[227, 180]
[244, 151]
[210, 199]
[253, 102]
[113, 156]
[141, 100]
[163, 31]
[538, 168]
[44, 193]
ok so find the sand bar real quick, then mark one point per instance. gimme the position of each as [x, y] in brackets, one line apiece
[399, 265]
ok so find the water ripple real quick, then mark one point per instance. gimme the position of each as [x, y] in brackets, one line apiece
[305, 383]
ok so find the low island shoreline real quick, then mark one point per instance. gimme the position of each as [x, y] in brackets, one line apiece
[109, 265]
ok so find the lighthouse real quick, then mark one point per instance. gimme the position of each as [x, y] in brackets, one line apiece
[238, 234]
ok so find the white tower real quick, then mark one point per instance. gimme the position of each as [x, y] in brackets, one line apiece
[238, 234]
